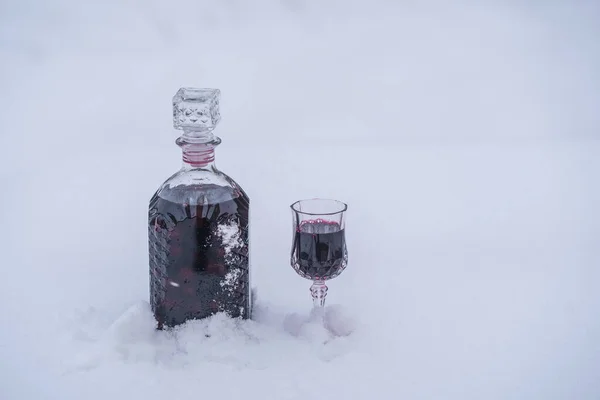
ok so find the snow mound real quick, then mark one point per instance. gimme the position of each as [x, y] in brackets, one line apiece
[264, 342]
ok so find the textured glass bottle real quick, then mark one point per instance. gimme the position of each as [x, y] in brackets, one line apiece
[198, 225]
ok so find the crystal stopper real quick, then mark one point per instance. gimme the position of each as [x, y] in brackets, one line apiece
[196, 109]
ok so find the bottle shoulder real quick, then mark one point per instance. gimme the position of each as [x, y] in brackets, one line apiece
[200, 186]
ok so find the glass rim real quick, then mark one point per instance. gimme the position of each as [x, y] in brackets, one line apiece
[342, 206]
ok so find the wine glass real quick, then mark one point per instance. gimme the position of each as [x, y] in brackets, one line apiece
[319, 244]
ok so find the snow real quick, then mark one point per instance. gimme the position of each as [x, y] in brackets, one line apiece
[229, 233]
[464, 137]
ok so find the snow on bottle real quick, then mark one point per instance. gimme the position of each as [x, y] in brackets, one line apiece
[198, 225]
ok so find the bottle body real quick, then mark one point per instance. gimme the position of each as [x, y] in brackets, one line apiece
[198, 230]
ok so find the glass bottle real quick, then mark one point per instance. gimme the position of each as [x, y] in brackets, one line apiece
[198, 225]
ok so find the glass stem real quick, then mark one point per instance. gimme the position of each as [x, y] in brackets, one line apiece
[318, 290]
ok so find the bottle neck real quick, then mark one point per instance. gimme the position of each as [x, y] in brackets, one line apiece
[198, 151]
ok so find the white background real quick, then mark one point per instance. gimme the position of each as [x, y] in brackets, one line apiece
[463, 135]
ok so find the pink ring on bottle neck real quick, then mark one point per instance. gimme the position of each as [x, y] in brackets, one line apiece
[198, 155]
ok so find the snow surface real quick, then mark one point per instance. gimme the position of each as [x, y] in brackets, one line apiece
[463, 135]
